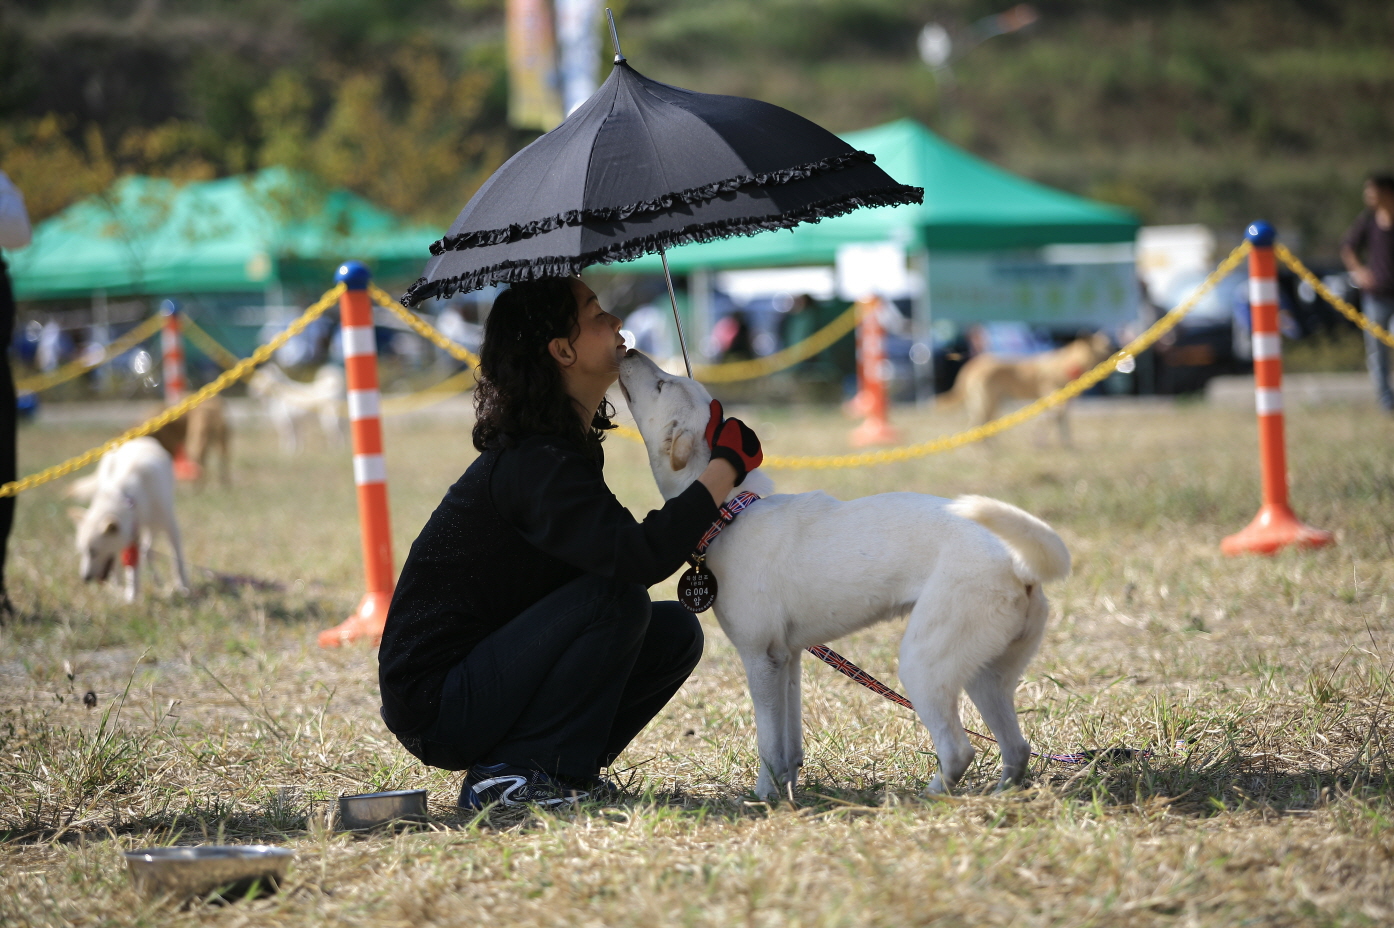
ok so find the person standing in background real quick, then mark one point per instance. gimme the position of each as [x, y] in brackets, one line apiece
[1368, 253]
[14, 233]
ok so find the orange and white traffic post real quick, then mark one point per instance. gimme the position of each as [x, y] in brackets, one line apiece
[1275, 526]
[369, 472]
[873, 369]
[176, 383]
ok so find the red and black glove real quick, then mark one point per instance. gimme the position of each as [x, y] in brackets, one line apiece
[733, 441]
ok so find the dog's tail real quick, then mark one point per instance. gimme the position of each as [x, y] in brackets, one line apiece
[1038, 553]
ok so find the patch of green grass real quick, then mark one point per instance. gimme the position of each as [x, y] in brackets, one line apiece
[1256, 692]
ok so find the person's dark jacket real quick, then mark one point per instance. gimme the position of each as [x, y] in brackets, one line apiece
[1377, 245]
[523, 521]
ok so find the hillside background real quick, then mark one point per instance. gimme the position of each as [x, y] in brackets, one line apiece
[1214, 112]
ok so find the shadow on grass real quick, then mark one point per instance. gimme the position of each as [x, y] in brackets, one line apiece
[1128, 788]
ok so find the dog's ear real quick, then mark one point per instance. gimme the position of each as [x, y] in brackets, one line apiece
[111, 527]
[76, 513]
[683, 447]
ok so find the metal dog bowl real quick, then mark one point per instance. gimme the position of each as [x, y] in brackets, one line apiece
[368, 810]
[196, 871]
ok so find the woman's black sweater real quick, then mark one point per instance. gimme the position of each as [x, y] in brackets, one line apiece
[522, 521]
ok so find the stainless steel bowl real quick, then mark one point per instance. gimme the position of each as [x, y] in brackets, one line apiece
[368, 810]
[232, 870]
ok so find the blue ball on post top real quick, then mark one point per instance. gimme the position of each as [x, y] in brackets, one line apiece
[1260, 233]
[354, 275]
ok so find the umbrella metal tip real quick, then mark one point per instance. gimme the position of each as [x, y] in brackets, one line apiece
[614, 36]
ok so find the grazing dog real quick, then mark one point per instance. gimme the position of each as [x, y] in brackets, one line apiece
[132, 498]
[806, 569]
[291, 404]
[986, 380]
[200, 431]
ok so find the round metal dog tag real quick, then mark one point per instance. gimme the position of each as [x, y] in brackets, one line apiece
[697, 588]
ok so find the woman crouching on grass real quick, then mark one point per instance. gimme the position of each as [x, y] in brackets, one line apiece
[521, 644]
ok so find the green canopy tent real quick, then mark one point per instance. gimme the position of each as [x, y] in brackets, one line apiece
[155, 236]
[969, 205]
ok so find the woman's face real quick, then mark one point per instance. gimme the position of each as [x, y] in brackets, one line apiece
[598, 346]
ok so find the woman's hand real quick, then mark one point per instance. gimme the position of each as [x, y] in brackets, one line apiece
[733, 441]
[719, 478]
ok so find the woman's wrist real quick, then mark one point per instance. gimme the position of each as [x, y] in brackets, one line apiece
[719, 478]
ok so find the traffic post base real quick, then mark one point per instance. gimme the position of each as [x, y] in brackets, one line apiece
[1274, 528]
[366, 624]
[185, 467]
[875, 430]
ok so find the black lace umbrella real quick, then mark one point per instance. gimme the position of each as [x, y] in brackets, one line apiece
[640, 167]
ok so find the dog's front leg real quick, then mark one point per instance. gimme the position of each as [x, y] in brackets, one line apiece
[793, 710]
[176, 544]
[132, 581]
[766, 672]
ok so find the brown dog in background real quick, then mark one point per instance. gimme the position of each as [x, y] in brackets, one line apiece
[986, 380]
[200, 431]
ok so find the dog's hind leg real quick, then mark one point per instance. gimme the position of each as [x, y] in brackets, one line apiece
[934, 664]
[993, 691]
[766, 673]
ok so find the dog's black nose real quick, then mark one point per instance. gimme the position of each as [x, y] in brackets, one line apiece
[631, 352]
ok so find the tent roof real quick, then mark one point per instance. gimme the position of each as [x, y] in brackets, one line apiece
[969, 205]
[148, 235]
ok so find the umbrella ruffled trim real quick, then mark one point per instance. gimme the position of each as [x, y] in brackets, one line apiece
[518, 231]
[537, 268]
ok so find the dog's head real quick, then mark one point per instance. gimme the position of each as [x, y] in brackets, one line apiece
[103, 532]
[671, 413]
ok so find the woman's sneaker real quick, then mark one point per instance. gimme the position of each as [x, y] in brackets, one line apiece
[507, 785]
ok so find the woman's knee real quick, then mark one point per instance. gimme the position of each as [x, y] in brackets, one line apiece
[684, 631]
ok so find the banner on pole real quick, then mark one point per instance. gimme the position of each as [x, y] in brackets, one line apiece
[579, 40]
[533, 98]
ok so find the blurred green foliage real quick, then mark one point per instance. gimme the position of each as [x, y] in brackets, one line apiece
[1185, 111]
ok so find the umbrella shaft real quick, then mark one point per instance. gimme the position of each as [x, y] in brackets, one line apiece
[673, 298]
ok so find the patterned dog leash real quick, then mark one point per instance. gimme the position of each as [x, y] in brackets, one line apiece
[843, 666]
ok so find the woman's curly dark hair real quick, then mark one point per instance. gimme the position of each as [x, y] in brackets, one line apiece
[521, 391]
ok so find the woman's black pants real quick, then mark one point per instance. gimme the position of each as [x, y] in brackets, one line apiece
[565, 685]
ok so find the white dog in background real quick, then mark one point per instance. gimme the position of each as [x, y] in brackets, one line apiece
[292, 404]
[132, 498]
[806, 569]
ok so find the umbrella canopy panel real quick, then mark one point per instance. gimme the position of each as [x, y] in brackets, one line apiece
[150, 235]
[642, 166]
[969, 205]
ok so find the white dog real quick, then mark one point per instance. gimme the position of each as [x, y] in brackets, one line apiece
[291, 404]
[806, 569]
[132, 498]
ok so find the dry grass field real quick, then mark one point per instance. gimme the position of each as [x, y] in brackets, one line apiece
[1261, 687]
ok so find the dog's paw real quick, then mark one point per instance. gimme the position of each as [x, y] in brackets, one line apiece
[937, 788]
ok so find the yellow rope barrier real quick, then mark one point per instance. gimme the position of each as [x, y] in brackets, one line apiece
[74, 369]
[1069, 391]
[391, 405]
[1345, 309]
[208, 344]
[824, 338]
[422, 327]
[225, 380]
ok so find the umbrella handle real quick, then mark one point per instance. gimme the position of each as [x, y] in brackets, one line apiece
[673, 298]
[614, 36]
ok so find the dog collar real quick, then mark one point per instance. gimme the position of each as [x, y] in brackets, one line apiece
[726, 514]
[697, 585]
